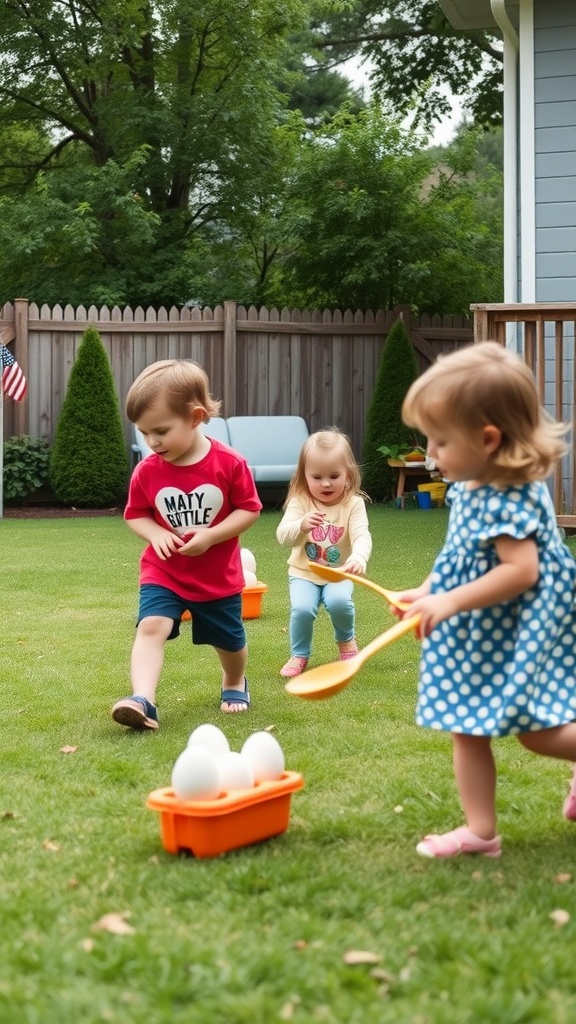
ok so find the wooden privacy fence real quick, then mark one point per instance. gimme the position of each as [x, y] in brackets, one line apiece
[321, 365]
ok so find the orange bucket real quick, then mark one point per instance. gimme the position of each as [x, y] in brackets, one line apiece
[207, 828]
[252, 601]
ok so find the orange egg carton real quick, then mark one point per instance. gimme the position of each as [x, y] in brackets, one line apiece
[207, 828]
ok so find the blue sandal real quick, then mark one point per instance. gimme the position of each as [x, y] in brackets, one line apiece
[235, 697]
[136, 713]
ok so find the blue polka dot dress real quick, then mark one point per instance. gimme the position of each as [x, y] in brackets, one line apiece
[509, 668]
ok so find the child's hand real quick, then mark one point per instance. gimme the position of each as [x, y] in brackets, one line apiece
[197, 543]
[408, 597]
[311, 520]
[166, 543]
[432, 609]
[354, 566]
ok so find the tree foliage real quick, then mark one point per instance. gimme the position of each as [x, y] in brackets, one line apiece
[397, 370]
[175, 97]
[88, 462]
[158, 153]
[416, 56]
[371, 222]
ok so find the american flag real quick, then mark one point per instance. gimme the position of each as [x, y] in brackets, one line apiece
[13, 380]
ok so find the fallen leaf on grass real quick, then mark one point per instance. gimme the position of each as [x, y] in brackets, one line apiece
[560, 917]
[114, 923]
[49, 845]
[287, 1011]
[379, 974]
[360, 956]
[269, 728]
[68, 750]
[300, 944]
[564, 876]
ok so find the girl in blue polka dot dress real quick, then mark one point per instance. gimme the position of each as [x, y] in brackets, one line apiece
[498, 611]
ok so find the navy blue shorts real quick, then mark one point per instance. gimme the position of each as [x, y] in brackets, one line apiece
[218, 623]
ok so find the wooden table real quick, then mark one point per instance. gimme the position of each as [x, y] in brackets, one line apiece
[407, 469]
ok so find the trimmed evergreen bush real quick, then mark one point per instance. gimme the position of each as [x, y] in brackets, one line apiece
[398, 368]
[89, 465]
[25, 465]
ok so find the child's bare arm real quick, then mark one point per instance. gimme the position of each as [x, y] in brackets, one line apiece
[517, 572]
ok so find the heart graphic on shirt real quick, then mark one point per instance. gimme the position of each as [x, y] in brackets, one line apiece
[192, 510]
[333, 533]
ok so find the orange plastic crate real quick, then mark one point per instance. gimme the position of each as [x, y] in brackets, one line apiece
[207, 828]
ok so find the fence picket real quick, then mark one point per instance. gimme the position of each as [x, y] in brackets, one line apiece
[315, 363]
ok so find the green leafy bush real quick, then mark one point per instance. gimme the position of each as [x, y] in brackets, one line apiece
[384, 426]
[25, 465]
[89, 461]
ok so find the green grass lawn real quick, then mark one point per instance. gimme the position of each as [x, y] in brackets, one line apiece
[258, 935]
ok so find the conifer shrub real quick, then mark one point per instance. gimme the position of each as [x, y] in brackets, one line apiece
[398, 368]
[89, 465]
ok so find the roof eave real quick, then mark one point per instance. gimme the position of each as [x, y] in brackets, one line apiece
[463, 14]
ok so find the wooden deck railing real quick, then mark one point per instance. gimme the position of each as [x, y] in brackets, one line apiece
[543, 334]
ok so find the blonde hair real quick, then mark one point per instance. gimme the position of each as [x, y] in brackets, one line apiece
[487, 384]
[327, 440]
[180, 382]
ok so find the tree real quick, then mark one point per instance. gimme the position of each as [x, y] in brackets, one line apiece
[370, 223]
[396, 372]
[416, 55]
[89, 462]
[176, 97]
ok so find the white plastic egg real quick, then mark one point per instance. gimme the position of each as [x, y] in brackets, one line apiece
[265, 755]
[195, 775]
[235, 772]
[248, 560]
[249, 578]
[211, 738]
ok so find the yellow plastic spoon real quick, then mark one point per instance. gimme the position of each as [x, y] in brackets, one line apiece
[335, 575]
[326, 680]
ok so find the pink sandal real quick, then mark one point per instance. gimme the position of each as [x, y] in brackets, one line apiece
[460, 840]
[348, 649]
[569, 807]
[294, 667]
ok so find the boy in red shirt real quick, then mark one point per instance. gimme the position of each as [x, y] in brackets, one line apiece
[190, 501]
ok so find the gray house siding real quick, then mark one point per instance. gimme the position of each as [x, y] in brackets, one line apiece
[555, 150]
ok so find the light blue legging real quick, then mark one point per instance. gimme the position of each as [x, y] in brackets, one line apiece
[305, 601]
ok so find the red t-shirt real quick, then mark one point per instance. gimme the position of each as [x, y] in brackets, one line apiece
[190, 498]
